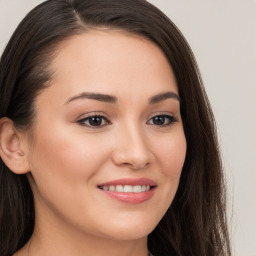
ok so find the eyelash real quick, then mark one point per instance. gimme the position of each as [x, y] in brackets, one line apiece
[169, 118]
[88, 118]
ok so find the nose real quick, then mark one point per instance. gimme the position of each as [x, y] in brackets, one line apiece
[132, 150]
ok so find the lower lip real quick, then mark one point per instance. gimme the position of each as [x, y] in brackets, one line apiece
[132, 198]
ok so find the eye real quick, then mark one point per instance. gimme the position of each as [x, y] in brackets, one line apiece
[162, 120]
[95, 121]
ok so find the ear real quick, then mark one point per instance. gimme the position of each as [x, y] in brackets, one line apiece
[12, 151]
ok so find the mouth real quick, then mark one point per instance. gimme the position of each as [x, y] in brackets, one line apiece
[129, 190]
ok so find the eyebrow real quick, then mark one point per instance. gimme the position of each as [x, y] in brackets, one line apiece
[112, 99]
[94, 96]
[164, 96]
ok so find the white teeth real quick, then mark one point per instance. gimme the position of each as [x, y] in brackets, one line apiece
[137, 189]
[119, 188]
[126, 188]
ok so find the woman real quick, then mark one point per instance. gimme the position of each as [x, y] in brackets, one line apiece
[107, 139]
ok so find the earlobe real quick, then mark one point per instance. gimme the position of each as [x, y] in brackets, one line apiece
[11, 149]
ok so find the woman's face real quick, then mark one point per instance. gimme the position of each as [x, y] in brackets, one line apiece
[108, 145]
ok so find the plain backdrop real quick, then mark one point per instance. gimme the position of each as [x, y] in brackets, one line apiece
[222, 34]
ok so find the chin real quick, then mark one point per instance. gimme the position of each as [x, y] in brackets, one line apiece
[130, 230]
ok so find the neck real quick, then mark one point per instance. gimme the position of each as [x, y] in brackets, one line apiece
[54, 238]
[92, 247]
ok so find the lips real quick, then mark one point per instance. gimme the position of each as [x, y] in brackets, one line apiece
[129, 190]
[126, 188]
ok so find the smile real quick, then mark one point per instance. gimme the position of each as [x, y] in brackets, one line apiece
[129, 190]
[126, 188]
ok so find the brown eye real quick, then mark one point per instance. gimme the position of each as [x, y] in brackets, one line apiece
[162, 120]
[94, 121]
[159, 120]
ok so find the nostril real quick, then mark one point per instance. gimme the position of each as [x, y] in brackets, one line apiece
[132, 157]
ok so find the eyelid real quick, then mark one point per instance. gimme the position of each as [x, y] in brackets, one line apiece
[82, 118]
[172, 118]
[162, 113]
[92, 114]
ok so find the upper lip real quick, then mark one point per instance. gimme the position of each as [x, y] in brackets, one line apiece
[130, 181]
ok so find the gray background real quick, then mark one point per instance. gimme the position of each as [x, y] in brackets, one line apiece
[222, 35]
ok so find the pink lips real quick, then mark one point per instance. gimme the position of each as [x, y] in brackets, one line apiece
[130, 197]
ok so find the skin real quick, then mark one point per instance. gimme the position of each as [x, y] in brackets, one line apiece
[69, 159]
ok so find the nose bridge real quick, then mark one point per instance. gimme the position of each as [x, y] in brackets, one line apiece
[131, 146]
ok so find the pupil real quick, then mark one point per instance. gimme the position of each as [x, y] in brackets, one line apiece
[95, 121]
[159, 120]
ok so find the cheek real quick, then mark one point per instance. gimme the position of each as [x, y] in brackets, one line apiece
[64, 167]
[170, 152]
[172, 155]
[64, 157]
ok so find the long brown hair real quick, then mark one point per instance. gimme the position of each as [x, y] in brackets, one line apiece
[195, 223]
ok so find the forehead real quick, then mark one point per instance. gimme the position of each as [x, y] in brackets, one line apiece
[112, 62]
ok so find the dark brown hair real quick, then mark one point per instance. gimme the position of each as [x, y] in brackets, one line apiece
[195, 223]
